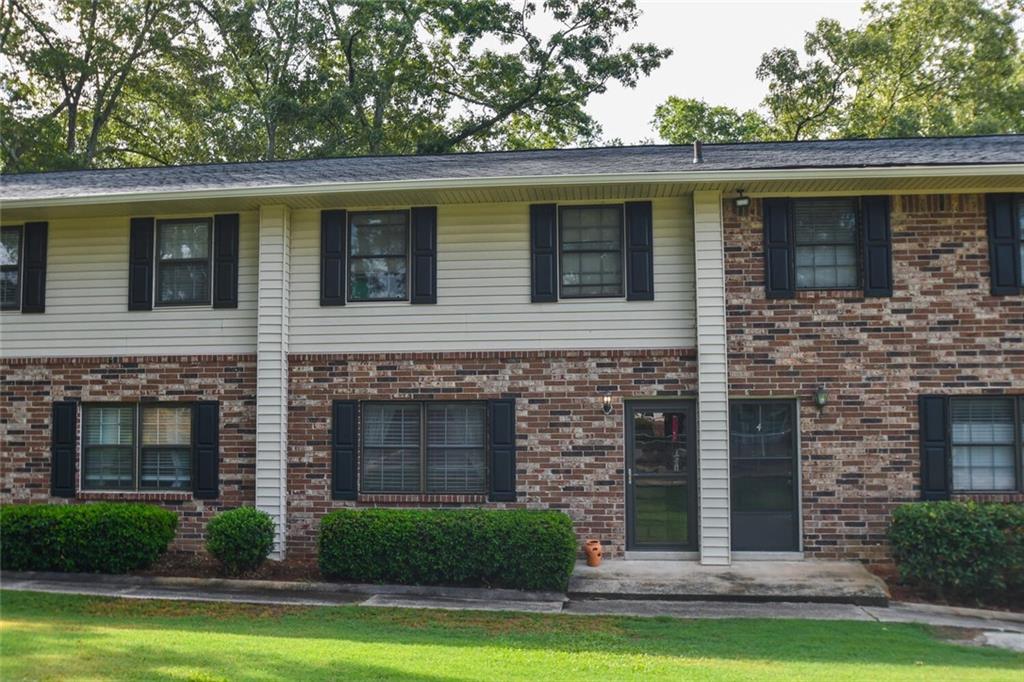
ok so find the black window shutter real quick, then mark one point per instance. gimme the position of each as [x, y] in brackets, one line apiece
[332, 257]
[502, 418]
[225, 261]
[779, 249]
[206, 450]
[344, 442]
[33, 288]
[877, 246]
[140, 264]
[935, 473]
[64, 438]
[1004, 252]
[424, 255]
[639, 251]
[543, 253]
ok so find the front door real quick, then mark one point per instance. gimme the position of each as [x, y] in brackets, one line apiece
[661, 476]
[764, 475]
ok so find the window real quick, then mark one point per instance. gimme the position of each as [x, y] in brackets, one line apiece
[826, 243]
[417, 447]
[10, 268]
[1020, 233]
[986, 438]
[378, 256]
[121, 451]
[591, 251]
[183, 262]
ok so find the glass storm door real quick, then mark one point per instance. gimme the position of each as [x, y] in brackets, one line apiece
[661, 481]
[764, 470]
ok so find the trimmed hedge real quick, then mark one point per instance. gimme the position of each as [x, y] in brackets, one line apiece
[964, 549]
[522, 549]
[99, 537]
[241, 539]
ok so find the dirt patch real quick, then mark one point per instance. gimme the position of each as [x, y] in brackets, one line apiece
[160, 608]
[902, 591]
[187, 565]
[494, 624]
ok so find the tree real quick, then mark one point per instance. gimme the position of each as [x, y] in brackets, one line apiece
[69, 64]
[99, 82]
[917, 67]
[440, 75]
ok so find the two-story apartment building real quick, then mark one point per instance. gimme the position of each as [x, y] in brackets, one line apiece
[749, 350]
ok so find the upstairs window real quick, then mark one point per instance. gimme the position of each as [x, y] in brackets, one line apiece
[418, 447]
[123, 451]
[591, 262]
[986, 439]
[183, 262]
[1020, 233]
[826, 232]
[10, 267]
[378, 260]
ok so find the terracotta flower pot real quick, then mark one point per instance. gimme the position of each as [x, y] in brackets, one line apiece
[593, 550]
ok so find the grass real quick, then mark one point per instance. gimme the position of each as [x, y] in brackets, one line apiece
[49, 636]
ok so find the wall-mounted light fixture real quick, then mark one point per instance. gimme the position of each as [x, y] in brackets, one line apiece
[606, 404]
[821, 398]
[741, 202]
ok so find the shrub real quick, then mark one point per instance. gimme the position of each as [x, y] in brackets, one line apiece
[99, 537]
[964, 549]
[530, 550]
[241, 539]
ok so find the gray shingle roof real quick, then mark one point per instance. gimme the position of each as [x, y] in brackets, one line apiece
[996, 149]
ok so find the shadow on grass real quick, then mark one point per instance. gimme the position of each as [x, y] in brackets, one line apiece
[42, 624]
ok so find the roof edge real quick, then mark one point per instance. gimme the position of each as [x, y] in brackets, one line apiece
[271, 191]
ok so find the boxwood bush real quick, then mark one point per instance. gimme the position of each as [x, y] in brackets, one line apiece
[529, 550]
[961, 549]
[99, 537]
[241, 539]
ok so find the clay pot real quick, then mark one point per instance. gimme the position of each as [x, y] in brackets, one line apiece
[593, 550]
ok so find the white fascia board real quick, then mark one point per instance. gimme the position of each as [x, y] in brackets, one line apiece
[271, 191]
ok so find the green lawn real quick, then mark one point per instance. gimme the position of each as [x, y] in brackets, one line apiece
[47, 636]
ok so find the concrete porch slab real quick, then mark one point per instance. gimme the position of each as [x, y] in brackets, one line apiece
[835, 582]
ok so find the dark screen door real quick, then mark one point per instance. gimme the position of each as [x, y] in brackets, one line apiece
[661, 459]
[763, 472]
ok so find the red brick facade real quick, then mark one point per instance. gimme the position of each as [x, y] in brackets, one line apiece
[941, 332]
[570, 454]
[30, 386]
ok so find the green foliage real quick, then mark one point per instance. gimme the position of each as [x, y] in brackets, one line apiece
[530, 550]
[965, 549]
[174, 81]
[685, 120]
[912, 68]
[99, 537]
[241, 539]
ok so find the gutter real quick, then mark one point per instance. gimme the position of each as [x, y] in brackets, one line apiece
[269, 191]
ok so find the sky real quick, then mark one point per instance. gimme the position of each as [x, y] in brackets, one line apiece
[717, 47]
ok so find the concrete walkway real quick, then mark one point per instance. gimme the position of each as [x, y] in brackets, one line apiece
[834, 582]
[331, 594]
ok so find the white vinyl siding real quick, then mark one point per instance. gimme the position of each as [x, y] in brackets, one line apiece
[483, 297]
[87, 301]
[712, 381]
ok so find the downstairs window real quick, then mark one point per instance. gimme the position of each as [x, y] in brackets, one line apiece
[136, 447]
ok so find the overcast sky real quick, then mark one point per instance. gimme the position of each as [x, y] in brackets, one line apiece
[717, 45]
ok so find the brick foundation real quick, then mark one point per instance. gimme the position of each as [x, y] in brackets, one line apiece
[31, 385]
[940, 333]
[570, 454]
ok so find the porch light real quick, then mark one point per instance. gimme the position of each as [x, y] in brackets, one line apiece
[821, 398]
[742, 201]
[606, 404]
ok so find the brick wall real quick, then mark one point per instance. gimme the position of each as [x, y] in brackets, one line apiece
[30, 386]
[940, 333]
[570, 454]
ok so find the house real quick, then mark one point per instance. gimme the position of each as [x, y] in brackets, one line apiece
[717, 352]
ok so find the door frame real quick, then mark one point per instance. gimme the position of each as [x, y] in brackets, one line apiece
[688, 405]
[797, 476]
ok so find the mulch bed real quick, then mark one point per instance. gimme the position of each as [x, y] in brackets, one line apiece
[184, 565]
[901, 591]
